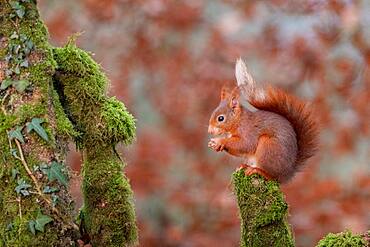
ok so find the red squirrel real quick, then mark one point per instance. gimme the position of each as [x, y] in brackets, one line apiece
[276, 138]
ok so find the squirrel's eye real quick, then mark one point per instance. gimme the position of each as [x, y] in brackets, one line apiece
[220, 118]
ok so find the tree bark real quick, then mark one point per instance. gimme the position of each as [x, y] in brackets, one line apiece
[36, 207]
[263, 212]
[49, 96]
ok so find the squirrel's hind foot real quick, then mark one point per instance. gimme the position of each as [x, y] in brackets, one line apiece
[250, 170]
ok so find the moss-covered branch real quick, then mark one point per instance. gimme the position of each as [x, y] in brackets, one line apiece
[108, 210]
[108, 213]
[263, 212]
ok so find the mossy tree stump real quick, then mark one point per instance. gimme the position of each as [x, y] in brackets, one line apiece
[345, 239]
[263, 212]
[48, 97]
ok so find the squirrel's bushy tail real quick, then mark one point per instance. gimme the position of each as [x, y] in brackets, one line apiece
[297, 112]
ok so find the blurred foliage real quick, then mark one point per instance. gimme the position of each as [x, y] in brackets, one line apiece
[168, 60]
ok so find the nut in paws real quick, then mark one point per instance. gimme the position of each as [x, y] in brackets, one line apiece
[216, 144]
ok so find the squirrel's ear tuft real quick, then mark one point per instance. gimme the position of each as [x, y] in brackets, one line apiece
[242, 75]
[234, 99]
[225, 92]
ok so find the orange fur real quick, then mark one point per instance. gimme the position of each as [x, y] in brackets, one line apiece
[276, 139]
[298, 113]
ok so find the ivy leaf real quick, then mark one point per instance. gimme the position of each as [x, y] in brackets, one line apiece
[16, 49]
[49, 190]
[56, 171]
[41, 221]
[22, 37]
[14, 35]
[13, 151]
[15, 172]
[17, 70]
[36, 168]
[29, 44]
[43, 167]
[22, 187]
[54, 199]
[9, 227]
[21, 85]
[31, 227]
[19, 9]
[5, 84]
[24, 64]
[20, 12]
[35, 125]
[15, 5]
[28, 47]
[16, 134]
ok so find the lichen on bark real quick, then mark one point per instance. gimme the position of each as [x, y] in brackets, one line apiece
[263, 212]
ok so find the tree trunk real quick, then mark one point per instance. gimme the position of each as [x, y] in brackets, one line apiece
[49, 96]
[263, 212]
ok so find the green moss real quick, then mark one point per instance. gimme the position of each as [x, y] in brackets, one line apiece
[35, 102]
[119, 123]
[3, 52]
[28, 111]
[6, 122]
[263, 212]
[83, 88]
[109, 211]
[64, 126]
[343, 239]
[13, 225]
[75, 105]
[41, 73]
[91, 82]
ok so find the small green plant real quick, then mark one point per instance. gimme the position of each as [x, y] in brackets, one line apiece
[16, 134]
[39, 223]
[56, 171]
[35, 125]
[22, 187]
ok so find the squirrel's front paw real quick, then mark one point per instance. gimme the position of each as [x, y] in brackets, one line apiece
[215, 144]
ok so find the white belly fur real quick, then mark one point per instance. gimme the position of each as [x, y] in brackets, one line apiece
[251, 160]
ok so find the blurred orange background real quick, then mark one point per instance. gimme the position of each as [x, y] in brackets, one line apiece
[167, 61]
